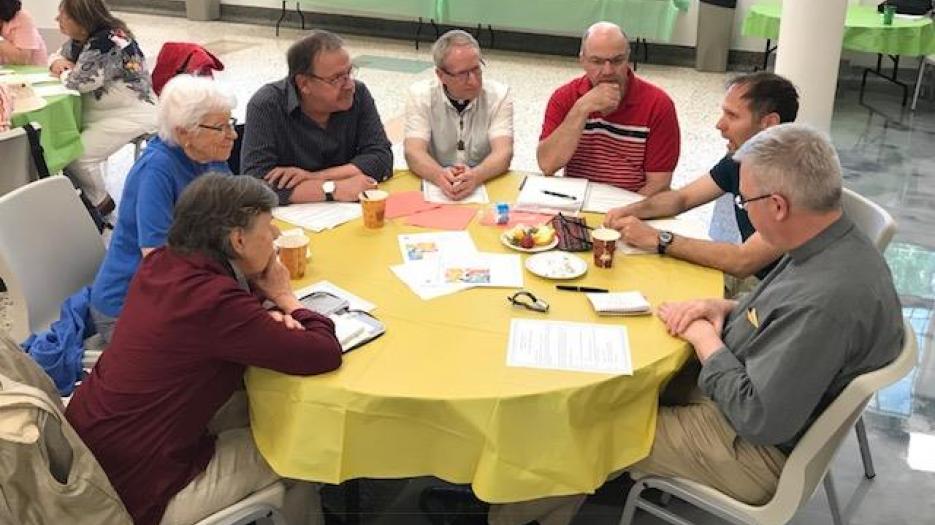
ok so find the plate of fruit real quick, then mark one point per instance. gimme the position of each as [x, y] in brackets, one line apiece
[530, 238]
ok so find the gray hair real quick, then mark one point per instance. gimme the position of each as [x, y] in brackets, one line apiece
[214, 205]
[596, 26]
[796, 161]
[185, 100]
[455, 37]
[301, 54]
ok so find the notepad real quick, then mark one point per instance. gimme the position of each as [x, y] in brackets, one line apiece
[619, 303]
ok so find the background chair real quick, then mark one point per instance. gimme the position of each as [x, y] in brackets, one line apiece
[49, 249]
[264, 504]
[804, 469]
[19, 168]
[879, 225]
[926, 61]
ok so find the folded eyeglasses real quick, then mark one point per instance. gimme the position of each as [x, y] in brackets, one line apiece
[528, 301]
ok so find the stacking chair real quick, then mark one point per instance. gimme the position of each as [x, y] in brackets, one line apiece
[49, 249]
[879, 225]
[804, 469]
[19, 167]
[262, 504]
[926, 61]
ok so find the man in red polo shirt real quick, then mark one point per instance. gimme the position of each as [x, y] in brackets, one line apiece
[610, 125]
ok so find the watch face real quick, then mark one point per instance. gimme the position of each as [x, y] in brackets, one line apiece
[665, 237]
[328, 186]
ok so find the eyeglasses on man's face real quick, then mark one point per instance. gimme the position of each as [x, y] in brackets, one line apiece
[337, 80]
[228, 126]
[616, 61]
[742, 203]
[463, 76]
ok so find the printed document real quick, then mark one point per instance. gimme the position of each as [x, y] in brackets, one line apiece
[576, 347]
[603, 197]
[432, 193]
[318, 216]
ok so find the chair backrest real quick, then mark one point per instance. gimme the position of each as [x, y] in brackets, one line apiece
[806, 466]
[19, 169]
[49, 249]
[870, 217]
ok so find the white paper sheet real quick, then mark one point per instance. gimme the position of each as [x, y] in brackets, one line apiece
[684, 227]
[318, 216]
[577, 347]
[354, 302]
[435, 245]
[419, 277]
[603, 197]
[533, 197]
[619, 303]
[432, 193]
[50, 90]
[491, 270]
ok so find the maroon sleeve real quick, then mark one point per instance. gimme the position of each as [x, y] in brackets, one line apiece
[559, 105]
[662, 146]
[246, 334]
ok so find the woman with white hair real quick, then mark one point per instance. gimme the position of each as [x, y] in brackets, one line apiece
[196, 134]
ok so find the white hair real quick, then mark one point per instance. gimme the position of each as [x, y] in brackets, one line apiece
[796, 161]
[455, 37]
[185, 100]
[602, 26]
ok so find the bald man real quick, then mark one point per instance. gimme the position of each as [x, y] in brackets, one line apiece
[610, 125]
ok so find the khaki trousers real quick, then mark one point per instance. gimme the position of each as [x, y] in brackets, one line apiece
[237, 470]
[693, 441]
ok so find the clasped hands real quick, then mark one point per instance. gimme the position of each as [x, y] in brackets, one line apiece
[346, 188]
[699, 322]
[457, 181]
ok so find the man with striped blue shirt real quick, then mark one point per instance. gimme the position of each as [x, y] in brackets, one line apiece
[316, 134]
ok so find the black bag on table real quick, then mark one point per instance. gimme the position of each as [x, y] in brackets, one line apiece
[908, 7]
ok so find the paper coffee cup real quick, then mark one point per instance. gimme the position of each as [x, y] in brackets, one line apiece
[603, 244]
[373, 203]
[293, 252]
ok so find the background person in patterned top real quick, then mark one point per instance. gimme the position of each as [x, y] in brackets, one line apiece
[102, 61]
[610, 125]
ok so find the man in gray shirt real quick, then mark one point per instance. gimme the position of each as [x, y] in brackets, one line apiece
[316, 134]
[773, 361]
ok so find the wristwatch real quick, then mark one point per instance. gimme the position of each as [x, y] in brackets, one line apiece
[328, 187]
[665, 239]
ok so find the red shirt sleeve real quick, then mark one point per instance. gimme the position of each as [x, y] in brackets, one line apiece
[664, 141]
[560, 104]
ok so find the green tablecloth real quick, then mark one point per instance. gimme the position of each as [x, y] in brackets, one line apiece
[652, 19]
[863, 30]
[61, 125]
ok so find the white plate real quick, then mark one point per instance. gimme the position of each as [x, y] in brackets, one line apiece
[556, 265]
[505, 239]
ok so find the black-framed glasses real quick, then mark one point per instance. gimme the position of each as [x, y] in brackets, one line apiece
[338, 80]
[742, 203]
[528, 301]
[463, 76]
[223, 127]
[616, 61]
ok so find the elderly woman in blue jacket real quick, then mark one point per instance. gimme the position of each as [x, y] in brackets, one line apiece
[196, 135]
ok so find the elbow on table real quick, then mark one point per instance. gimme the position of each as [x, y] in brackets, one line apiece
[320, 360]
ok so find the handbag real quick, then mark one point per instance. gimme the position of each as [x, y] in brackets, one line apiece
[574, 234]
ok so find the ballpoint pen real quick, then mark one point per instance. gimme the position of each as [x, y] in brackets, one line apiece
[562, 195]
[570, 288]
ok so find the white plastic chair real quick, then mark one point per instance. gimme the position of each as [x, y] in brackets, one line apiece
[804, 469]
[262, 504]
[879, 225]
[49, 249]
[926, 61]
[19, 169]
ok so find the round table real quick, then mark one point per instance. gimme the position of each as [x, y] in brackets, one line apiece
[433, 396]
[61, 125]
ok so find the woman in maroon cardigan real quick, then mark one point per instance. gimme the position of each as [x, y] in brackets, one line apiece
[191, 325]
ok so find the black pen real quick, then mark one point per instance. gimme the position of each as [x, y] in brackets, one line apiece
[562, 195]
[570, 288]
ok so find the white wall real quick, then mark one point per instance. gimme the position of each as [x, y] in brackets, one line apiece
[43, 11]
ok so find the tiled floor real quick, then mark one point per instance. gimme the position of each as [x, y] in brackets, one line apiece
[888, 155]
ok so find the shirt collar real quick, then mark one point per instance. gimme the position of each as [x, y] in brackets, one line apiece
[293, 102]
[239, 275]
[818, 243]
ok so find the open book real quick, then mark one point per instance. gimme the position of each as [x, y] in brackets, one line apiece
[619, 303]
[353, 328]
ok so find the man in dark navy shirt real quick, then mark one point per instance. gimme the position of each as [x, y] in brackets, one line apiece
[753, 103]
[316, 134]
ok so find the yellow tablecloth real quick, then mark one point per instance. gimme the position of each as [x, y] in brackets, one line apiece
[433, 396]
